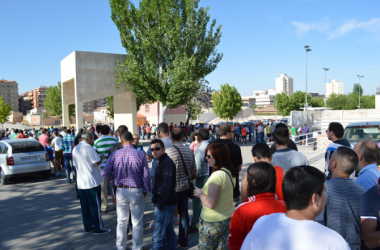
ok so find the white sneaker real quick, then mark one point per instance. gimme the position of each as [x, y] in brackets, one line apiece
[104, 231]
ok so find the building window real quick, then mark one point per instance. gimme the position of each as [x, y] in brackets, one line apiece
[147, 108]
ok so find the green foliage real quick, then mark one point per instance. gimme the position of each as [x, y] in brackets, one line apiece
[350, 101]
[316, 101]
[169, 49]
[282, 104]
[356, 89]
[285, 104]
[53, 101]
[367, 102]
[5, 110]
[227, 102]
[110, 108]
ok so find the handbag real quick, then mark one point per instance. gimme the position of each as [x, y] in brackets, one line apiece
[191, 192]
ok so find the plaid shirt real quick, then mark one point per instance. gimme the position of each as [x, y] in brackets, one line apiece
[128, 167]
[66, 143]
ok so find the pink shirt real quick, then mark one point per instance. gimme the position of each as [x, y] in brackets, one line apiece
[194, 146]
[43, 139]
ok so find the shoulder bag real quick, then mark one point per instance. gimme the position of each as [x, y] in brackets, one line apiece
[230, 178]
[191, 192]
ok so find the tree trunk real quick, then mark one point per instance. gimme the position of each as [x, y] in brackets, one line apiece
[161, 117]
[188, 116]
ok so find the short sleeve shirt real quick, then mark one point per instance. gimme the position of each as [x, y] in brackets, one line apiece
[224, 208]
[293, 131]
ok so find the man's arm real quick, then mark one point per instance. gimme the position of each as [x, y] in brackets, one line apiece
[371, 237]
[146, 178]
[169, 172]
[193, 171]
[244, 188]
[198, 162]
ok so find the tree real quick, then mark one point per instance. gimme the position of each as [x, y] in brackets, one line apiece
[356, 89]
[368, 102]
[282, 104]
[5, 111]
[200, 100]
[53, 101]
[316, 101]
[169, 49]
[110, 108]
[227, 102]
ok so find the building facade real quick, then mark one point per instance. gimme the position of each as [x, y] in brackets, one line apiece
[264, 98]
[90, 107]
[25, 102]
[334, 87]
[377, 98]
[284, 84]
[39, 95]
[9, 91]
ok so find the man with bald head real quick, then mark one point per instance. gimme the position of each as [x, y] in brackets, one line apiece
[369, 173]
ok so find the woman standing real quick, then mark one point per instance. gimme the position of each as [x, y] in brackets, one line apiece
[195, 143]
[216, 197]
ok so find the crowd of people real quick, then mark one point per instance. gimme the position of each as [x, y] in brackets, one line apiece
[283, 202]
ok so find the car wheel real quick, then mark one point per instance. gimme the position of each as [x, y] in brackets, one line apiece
[46, 175]
[3, 179]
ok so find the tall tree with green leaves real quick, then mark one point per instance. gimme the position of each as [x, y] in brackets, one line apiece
[170, 47]
[53, 101]
[281, 102]
[200, 100]
[227, 102]
[5, 111]
[356, 89]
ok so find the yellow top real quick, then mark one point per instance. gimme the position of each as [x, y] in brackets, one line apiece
[224, 208]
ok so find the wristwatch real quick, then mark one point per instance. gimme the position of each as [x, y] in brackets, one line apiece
[199, 194]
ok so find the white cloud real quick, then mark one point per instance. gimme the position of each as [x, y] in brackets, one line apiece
[303, 28]
[372, 25]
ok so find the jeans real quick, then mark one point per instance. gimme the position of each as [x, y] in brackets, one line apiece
[182, 206]
[67, 159]
[90, 207]
[197, 204]
[163, 236]
[130, 202]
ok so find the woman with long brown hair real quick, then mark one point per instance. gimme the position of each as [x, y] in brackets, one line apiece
[216, 197]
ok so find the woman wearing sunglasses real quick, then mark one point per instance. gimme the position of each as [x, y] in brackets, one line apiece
[216, 197]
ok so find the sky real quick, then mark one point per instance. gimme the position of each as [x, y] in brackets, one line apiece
[260, 40]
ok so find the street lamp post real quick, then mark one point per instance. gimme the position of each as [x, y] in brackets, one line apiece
[307, 49]
[359, 76]
[325, 69]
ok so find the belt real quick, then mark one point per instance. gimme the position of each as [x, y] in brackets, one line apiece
[125, 186]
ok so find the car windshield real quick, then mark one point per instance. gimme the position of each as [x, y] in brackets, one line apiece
[26, 146]
[362, 133]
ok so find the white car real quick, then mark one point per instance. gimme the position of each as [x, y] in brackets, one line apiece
[20, 157]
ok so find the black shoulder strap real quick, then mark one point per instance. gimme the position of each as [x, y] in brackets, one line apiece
[229, 176]
[183, 162]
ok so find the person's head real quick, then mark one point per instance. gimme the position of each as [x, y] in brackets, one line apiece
[300, 126]
[64, 129]
[316, 129]
[88, 137]
[44, 131]
[177, 134]
[55, 133]
[78, 138]
[126, 138]
[105, 130]
[68, 131]
[261, 178]
[80, 131]
[16, 131]
[261, 153]
[226, 131]
[121, 129]
[366, 151]
[281, 125]
[158, 148]
[304, 189]
[99, 129]
[136, 140]
[203, 134]
[281, 136]
[343, 162]
[218, 156]
[48, 141]
[162, 130]
[194, 136]
[335, 131]
[30, 135]
[305, 125]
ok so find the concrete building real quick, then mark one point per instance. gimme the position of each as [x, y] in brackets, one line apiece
[91, 106]
[314, 94]
[152, 112]
[248, 101]
[264, 97]
[9, 91]
[101, 116]
[25, 102]
[39, 95]
[284, 83]
[334, 87]
[377, 98]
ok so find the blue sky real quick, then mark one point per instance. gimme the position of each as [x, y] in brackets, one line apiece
[260, 39]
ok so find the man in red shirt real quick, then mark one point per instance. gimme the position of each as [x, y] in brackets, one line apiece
[261, 153]
[170, 127]
[43, 137]
[261, 201]
[20, 135]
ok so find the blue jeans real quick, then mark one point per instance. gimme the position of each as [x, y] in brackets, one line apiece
[163, 236]
[66, 161]
[182, 205]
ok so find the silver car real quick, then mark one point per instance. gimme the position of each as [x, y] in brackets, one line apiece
[358, 131]
[22, 157]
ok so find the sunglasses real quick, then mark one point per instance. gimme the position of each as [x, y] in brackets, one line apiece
[156, 149]
[208, 156]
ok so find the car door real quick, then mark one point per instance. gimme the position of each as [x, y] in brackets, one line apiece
[3, 156]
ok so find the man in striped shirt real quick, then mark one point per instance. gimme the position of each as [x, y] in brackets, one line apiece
[66, 143]
[102, 146]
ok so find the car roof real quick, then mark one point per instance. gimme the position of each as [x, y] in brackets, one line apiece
[369, 123]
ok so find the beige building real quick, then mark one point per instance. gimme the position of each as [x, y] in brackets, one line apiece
[9, 91]
[334, 87]
[284, 83]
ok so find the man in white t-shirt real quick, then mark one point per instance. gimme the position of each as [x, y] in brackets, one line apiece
[89, 178]
[58, 154]
[304, 195]
[63, 132]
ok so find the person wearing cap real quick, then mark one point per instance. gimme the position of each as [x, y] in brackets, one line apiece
[89, 178]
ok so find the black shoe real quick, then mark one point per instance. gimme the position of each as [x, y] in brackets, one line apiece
[104, 231]
[179, 245]
[89, 231]
[192, 230]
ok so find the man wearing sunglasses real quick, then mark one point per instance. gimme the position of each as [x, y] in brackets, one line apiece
[164, 198]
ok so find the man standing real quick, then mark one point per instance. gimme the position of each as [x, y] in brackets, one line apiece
[143, 131]
[128, 169]
[291, 143]
[284, 156]
[259, 134]
[43, 137]
[164, 198]
[369, 173]
[66, 143]
[63, 132]
[170, 127]
[57, 145]
[268, 131]
[147, 130]
[226, 134]
[201, 175]
[184, 160]
[293, 132]
[87, 162]
[102, 146]
[342, 210]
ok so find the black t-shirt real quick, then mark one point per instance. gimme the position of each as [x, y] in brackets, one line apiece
[236, 159]
[291, 145]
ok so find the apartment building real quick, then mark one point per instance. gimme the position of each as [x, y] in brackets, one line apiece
[9, 91]
[284, 83]
[39, 95]
[90, 107]
[334, 87]
[26, 102]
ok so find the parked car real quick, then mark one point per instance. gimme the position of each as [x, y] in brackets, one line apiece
[358, 131]
[256, 122]
[285, 120]
[22, 157]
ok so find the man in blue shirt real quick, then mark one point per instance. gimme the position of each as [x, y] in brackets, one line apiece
[342, 209]
[237, 132]
[369, 173]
